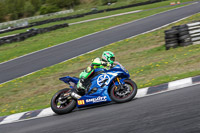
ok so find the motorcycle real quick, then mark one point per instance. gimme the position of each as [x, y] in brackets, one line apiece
[103, 86]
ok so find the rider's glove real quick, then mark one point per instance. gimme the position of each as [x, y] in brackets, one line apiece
[104, 63]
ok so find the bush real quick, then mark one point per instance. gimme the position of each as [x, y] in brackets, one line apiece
[45, 9]
[28, 9]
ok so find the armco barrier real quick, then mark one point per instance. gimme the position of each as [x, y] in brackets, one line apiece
[24, 21]
[30, 33]
[194, 32]
[182, 35]
[80, 15]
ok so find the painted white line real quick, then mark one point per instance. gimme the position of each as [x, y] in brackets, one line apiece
[106, 17]
[99, 47]
[173, 89]
[12, 118]
[180, 83]
[46, 112]
[141, 92]
[8, 36]
[15, 117]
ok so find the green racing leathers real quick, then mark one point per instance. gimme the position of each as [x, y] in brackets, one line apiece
[96, 63]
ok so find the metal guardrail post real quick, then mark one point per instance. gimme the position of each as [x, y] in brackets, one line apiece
[194, 32]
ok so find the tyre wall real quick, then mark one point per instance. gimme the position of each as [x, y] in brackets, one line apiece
[182, 35]
[30, 33]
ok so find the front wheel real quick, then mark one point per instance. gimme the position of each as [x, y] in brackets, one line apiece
[124, 93]
[62, 104]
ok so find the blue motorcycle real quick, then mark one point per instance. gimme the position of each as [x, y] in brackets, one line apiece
[103, 86]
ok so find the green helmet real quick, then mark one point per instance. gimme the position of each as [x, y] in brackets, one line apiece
[108, 56]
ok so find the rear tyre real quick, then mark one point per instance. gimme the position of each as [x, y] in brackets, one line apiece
[62, 105]
[125, 94]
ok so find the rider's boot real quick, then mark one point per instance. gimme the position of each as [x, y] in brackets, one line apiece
[78, 90]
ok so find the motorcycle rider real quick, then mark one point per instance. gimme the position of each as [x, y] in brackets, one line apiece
[106, 62]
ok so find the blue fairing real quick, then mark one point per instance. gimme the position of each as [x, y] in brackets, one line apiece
[68, 79]
[102, 82]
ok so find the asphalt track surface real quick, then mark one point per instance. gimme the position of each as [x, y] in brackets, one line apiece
[36, 61]
[170, 112]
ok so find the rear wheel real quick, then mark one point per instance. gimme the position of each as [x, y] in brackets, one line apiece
[123, 93]
[62, 103]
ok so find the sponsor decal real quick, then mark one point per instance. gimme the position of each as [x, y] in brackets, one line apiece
[101, 78]
[113, 74]
[81, 102]
[96, 100]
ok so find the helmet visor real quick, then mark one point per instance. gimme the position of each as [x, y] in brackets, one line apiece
[112, 59]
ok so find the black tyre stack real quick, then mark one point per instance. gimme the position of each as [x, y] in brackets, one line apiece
[171, 38]
[30, 33]
[184, 36]
[177, 36]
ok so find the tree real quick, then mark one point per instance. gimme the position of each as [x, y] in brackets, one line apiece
[15, 9]
[19, 7]
[28, 9]
[2, 11]
[51, 2]
[63, 3]
[37, 4]
[47, 8]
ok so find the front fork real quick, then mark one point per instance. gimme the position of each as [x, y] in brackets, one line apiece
[117, 88]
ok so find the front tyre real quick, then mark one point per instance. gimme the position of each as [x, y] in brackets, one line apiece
[125, 93]
[62, 104]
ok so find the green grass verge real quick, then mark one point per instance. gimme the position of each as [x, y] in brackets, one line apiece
[144, 56]
[13, 50]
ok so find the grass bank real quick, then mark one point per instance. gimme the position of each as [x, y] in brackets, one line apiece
[144, 56]
[13, 50]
